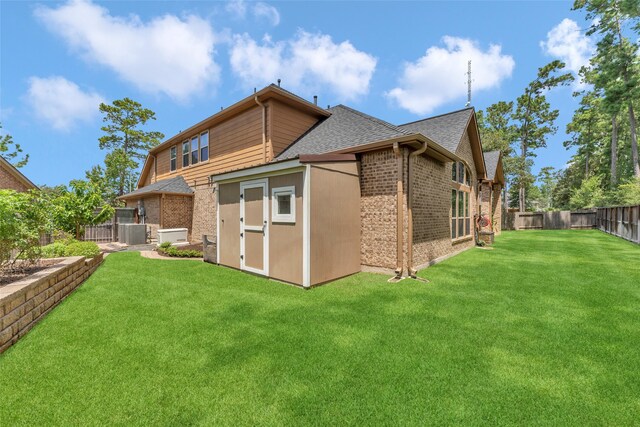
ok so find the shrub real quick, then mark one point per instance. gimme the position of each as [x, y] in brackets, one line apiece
[165, 245]
[172, 251]
[85, 249]
[22, 219]
[74, 248]
[54, 250]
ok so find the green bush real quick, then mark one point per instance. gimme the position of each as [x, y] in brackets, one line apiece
[165, 245]
[74, 248]
[22, 219]
[85, 249]
[54, 250]
[172, 251]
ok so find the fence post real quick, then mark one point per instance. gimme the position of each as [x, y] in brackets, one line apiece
[113, 227]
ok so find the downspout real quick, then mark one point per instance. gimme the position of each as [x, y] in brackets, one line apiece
[413, 155]
[399, 210]
[264, 128]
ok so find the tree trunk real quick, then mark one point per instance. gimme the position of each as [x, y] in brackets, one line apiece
[614, 152]
[634, 142]
[521, 192]
[586, 164]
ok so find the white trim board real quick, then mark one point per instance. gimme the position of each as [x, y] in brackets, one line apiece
[306, 227]
[264, 184]
[258, 171]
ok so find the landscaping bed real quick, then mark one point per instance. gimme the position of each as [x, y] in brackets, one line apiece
[541, 330]
[21, 269]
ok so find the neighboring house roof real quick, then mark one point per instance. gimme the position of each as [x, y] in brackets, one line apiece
[491, 159]
[345, 128]
[446, 129]
[176, 185]
[4, 164]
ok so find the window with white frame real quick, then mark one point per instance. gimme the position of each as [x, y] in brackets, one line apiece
[283, 204]
[172, 159]
[460, 201]
[194, 150]
[204, 146]
[185, 154]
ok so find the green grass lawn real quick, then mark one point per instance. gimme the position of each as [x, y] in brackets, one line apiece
[544, 329]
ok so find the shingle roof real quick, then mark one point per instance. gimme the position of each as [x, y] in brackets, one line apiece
[345, 128]
[176, 185]
[446, 130]
[491, 159]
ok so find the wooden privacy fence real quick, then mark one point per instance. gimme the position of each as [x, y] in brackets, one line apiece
[557, 220]
[621, 221]
[108, 231]
[99, 233]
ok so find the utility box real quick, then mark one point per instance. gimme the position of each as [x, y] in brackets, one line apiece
[209, 249]
[132, 234]
[173, 235]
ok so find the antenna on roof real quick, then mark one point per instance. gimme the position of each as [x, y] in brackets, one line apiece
[279, 82]
[469, 80]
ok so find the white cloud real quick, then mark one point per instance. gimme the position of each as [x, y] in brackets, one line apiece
[167, 55]
[438, 77]
[260, 10]
[306, 63]
[268, 12]
[238, 8]
[567, 42]
[60, 102]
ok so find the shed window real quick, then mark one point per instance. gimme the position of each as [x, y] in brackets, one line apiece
[172, 159]
[194, 150]
[204, 146]
[185, 154]
[283, 207]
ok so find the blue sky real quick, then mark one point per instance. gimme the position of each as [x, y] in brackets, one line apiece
[399, 61]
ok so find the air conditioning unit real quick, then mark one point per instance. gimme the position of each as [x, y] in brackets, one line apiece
[132, 234]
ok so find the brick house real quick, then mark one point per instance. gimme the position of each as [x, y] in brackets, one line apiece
[12, 179]
[306, 195]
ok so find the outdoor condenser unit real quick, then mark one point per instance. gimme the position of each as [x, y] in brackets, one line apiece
[132, 234]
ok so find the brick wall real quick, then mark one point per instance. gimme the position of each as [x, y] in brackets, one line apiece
[432, 207]
[152, 213]
[486, 208]
[204, 213]
[497, 209]
[9, 182]
[177, 212]
[24, 303]
[378, 213]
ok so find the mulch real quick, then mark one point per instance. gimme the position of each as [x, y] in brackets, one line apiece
[20, 270]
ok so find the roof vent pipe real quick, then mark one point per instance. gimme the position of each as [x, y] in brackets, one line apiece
[279, 82]
[254, 90]
[315, 99]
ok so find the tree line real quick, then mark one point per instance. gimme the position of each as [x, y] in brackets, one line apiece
[605, 169]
